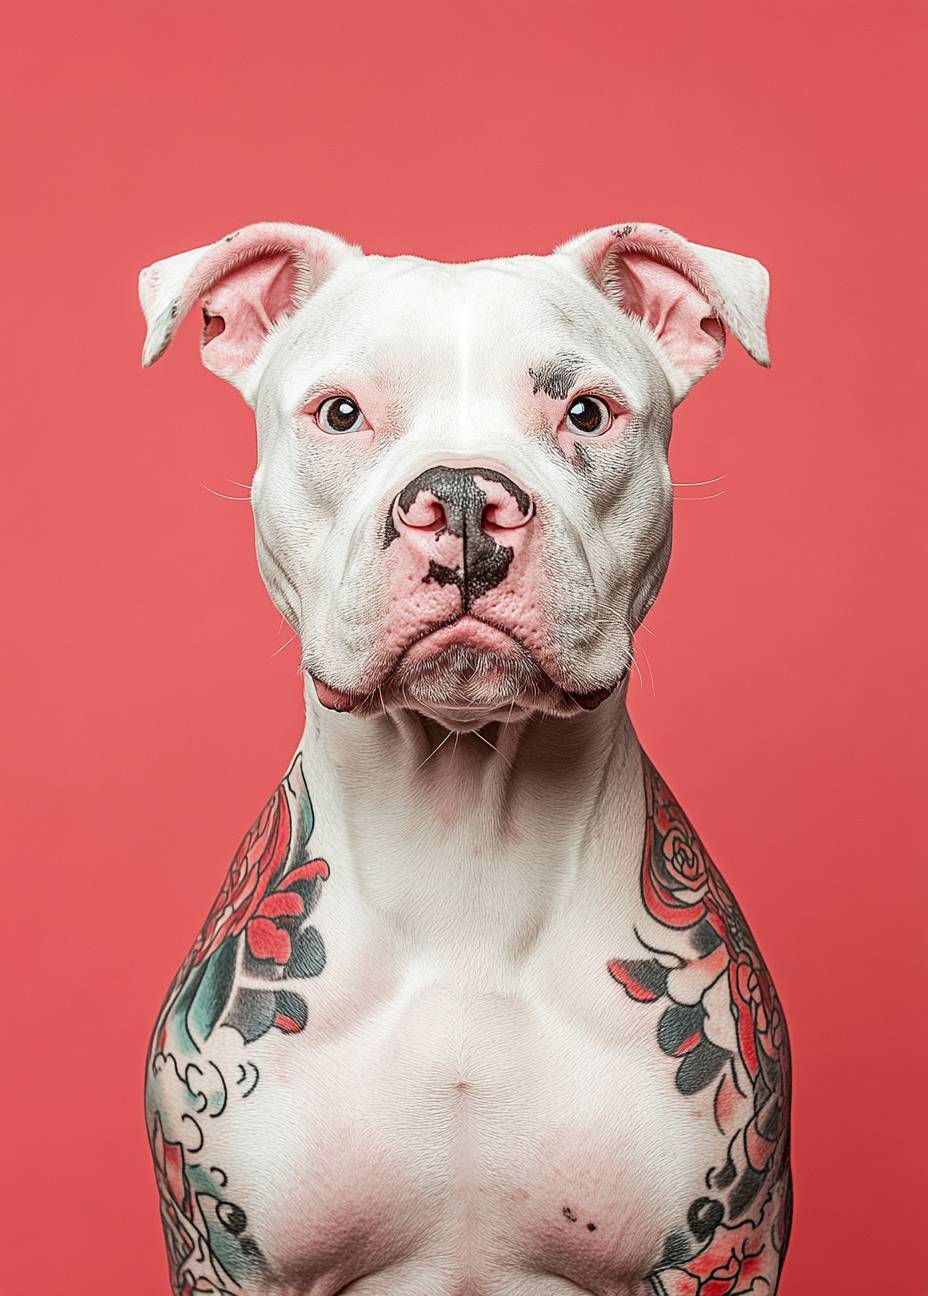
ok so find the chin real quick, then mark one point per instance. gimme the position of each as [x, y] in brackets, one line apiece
[463, 678]
[465, 687]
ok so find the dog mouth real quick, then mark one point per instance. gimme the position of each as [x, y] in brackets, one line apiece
[464, 673]
[464, 678]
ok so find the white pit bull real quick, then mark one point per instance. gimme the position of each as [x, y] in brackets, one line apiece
[474, 1014]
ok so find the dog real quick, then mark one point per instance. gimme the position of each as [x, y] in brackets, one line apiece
[474, 1013]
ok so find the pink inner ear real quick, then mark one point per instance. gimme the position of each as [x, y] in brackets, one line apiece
[247, 301]
[679, 314]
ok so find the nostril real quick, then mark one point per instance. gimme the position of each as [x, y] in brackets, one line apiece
[507, 513]
[424, 513]
[506, 506]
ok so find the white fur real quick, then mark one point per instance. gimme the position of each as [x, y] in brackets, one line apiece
[469, 1070]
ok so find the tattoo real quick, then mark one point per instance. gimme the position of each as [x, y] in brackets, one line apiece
[245, 974]
[724, 1028]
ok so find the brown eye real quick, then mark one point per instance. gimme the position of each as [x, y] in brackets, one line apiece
[339, 414]
[588, 416]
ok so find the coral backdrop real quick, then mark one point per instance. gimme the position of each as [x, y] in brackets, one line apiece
[149, 711]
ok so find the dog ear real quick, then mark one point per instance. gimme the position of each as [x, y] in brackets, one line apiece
[247, 283]
[683, 293]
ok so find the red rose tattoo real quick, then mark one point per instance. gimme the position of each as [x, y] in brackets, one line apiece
[256, 862]
[247, 970]
[723, 1027]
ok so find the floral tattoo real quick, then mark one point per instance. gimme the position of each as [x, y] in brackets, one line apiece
[244, 976]
[723, 1027]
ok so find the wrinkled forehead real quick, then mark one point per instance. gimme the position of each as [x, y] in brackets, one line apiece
[414, 327]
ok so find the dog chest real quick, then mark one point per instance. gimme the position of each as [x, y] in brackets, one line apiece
[432, 1129]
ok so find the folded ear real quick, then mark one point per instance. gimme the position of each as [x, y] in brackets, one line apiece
[685, 294]
[247, 283]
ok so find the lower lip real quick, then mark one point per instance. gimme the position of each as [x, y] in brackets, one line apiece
[333, 699]
[590, 701]
[466, 630]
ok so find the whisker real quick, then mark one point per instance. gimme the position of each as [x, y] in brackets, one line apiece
[432, 753]
[285, 644]
[647, 662]
[238, 499]
[710, 481]
[478, 734]
[637, 668]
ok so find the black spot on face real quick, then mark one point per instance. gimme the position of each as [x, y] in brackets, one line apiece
[582, 458]
[569, 1214]
[591, 1227]
[556, 377]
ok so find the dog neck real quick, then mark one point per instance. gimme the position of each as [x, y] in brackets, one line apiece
[453, 836]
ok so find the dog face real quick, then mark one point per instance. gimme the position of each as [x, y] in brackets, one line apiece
[462, 500]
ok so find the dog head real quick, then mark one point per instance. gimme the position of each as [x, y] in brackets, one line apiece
[462, 499]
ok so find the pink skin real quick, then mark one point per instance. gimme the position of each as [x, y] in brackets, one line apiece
[515, 604]
[245, 282]
[469, 630]
[241, 307]
[424, 617]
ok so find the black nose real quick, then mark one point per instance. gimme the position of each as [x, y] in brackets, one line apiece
[480, 505]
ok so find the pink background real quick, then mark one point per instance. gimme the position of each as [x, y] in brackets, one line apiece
[149, 711]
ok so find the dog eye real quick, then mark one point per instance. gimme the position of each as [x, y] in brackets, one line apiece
[339, 414]
[588, 416]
